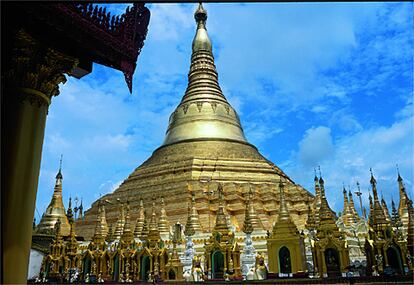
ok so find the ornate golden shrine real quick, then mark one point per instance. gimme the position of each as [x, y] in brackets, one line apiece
[386, 248]
[285, 245]
[222, 253]
[331, 256]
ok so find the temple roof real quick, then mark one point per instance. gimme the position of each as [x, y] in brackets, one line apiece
[85, 31]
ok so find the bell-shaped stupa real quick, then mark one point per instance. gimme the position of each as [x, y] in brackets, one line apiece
[205, 145]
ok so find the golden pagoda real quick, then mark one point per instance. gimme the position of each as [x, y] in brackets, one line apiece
[403, 205]
[55, 211]
[330, 249]
[386, 249]
[221, 251]
[285, 245]
[205, 145]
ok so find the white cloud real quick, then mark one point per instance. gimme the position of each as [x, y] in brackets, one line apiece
[349, 158]
[316, 146]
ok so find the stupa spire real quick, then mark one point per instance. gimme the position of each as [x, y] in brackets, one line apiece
[283, 210]
[140, 220]
[248, 225]
[154, 232]
[127, 234]
[378, 211]
[351, 206]
[204, 111]
[257, 223]
[55, 210]
[163, 224]
[145, 230]
[193, 222]
[385, 209]
[221, 222]
[403, 205]
[120, 223]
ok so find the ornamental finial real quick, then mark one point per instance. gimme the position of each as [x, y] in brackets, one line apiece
[59, 174]
[200, 14]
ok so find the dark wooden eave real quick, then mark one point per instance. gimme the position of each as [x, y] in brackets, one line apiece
[82, 30]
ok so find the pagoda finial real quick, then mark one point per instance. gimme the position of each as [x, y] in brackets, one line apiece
[140, 220]
[201, 40]
[283, 211]
[373, 181]
[321, 182]
[127, 234]
[398, 171]
[247, 226]
[163, 223]
[59, 176]
[221, 221]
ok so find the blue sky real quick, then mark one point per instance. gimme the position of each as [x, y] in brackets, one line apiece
[327, 84]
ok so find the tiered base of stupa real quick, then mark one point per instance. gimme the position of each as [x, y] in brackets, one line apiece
[201, 165]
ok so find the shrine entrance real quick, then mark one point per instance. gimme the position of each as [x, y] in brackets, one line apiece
[115, 274]
[285, 265]
[394, 259]
[145, 267]
[333, 266]
[171, 274]
[217, 265]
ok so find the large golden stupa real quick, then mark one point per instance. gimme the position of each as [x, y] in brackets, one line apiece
[205, 145]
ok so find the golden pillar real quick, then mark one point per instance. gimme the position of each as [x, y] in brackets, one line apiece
[30, 81]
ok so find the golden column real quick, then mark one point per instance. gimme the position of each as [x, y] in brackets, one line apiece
[30, 81]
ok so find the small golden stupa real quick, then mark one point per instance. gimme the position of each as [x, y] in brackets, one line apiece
[205, 145]
[55, 211]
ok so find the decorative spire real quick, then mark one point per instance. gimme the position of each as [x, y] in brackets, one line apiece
[55, 210]
[127, 235]
[325, 212]
[283, 211]
[403, 205]
[72, 245]
[248, 225]
[310, 222]
[140, 220]
[317, 201]
[189, 228]
[378, 211]
[385, 209]
[201, 40]
[120, 222]
[69, 213]
[359, 194]
[204, 111]
[145, 229]
[193, 221]
[163, 224]
[59, 176]
[327, 219]
[371, 216]
[284, 223]
[352, 209]
[154, 233]
[410, 229]
[256, 222]
[221, 223]
[395, 217]
[80, 211]
[98, 237]
[110, 235]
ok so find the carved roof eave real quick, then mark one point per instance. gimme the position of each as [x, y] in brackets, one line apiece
[71, 28]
